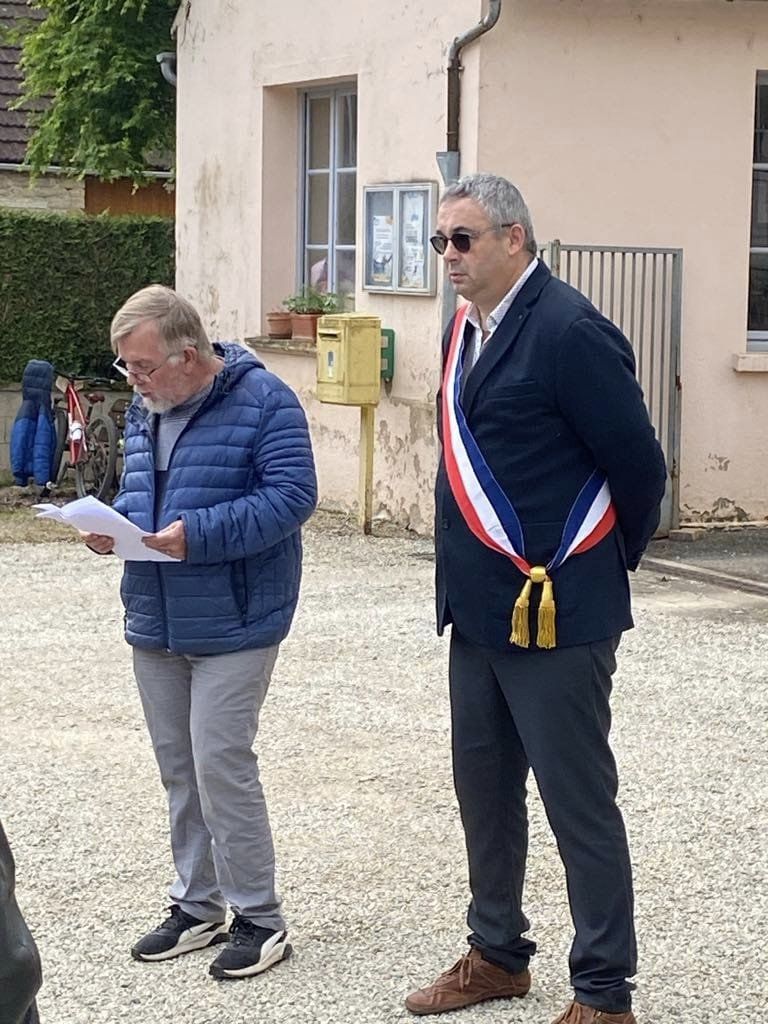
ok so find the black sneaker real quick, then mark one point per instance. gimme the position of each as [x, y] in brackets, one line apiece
[179, 933]
[251, 950]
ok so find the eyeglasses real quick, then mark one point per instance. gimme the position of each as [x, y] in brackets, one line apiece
[140, 376]
[461, 240]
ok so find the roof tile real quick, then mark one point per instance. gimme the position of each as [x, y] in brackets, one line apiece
[14, 133]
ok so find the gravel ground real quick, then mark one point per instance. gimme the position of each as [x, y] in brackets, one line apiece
[355, 759]
[739, 551]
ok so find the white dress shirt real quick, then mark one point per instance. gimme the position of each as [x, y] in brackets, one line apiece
[498, 314]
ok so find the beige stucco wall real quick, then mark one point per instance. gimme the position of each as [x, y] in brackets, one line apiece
[50, 192]
[624, 122]
[240, 66]
[638, 131]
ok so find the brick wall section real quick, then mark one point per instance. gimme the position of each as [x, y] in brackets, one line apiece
[10, 399]
[54, 192]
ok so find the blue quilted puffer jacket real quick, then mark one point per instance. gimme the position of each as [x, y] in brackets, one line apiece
[242, 480]
[33, 434]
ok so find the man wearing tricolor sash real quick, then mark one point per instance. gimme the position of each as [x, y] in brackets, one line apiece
[548, 491]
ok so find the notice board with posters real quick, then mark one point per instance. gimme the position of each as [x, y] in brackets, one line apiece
[399, 218]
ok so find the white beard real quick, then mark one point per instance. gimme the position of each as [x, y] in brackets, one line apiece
[156, 405]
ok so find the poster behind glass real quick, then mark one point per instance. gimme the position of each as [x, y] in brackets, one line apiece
[380, 238]
[413, 270]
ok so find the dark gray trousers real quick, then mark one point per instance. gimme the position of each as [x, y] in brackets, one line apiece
[547, 711]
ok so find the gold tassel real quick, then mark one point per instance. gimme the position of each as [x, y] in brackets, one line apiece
[521, 632]
[521, 635]
[545, 635]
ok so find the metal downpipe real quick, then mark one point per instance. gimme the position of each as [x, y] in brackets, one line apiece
[455, 69]
[449, 161]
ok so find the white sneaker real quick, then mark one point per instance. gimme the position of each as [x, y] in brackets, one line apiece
[179, 933]
[251, 950]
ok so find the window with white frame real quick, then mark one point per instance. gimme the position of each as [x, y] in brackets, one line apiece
[329, 202]
[757, 324]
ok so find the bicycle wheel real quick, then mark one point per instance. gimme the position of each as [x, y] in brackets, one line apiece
[59, 464]
[96, 473]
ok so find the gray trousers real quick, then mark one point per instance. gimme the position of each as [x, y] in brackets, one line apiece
[203, 715]
[547, 711]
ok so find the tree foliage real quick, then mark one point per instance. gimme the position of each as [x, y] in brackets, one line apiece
[108, 109]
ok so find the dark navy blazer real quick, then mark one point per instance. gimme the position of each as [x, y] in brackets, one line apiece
[553, 396]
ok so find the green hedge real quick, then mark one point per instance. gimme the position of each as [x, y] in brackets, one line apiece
[64, 276]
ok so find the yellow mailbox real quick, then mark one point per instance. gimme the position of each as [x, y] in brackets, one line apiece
[349, 359]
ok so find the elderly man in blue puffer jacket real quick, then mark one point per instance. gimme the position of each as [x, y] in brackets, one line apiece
[219, 470]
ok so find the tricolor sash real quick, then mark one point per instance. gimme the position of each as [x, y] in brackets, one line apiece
[490, 515]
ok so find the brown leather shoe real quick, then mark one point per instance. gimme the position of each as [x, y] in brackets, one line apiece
[471, 980]
[578, 1013]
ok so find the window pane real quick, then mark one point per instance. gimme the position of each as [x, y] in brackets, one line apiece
[759, 209]
[346, 199]
[761, 124]
[758, 291]
[319, 133]
[345, 274]
[346, 120]
[316, 269]
[318, 209]
[330, 193]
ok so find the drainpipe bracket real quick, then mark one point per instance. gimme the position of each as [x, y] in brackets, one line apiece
[448, 163]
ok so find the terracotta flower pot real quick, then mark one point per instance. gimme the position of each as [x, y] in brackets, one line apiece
[279, 325]
[304, 325]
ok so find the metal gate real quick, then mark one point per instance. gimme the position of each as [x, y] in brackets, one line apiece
[640, 290]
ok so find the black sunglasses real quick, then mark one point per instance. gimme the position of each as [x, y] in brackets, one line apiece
[461, 240]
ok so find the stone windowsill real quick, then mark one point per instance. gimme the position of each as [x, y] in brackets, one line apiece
[295, 346]
[750, 362]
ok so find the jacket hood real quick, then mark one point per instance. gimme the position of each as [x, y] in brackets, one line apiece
[37, 380]
[237, 362]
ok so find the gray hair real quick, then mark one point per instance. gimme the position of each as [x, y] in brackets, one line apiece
[177, 320]
[500, 200]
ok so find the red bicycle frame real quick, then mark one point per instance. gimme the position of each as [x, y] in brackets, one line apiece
[76, 419]
[89, 435]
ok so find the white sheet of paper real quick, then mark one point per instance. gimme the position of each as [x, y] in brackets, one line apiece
[93, 516]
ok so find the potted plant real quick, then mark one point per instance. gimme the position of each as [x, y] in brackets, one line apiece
[279, 324]
[306, 307]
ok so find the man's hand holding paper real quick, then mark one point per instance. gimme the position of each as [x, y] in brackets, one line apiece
[98, 542]
[105, 530]
[171, 541]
